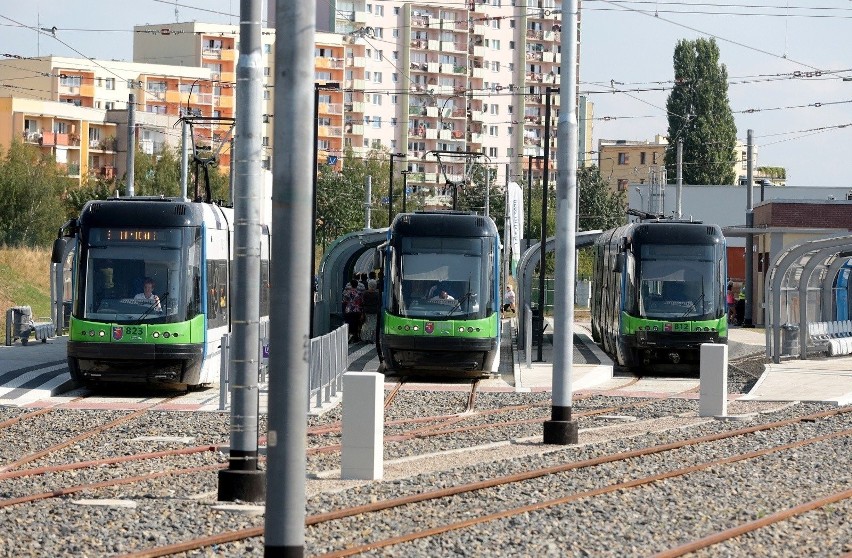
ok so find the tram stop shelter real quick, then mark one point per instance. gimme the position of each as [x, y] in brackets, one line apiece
[802, 266]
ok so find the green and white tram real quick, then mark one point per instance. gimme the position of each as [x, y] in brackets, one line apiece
[187, 249]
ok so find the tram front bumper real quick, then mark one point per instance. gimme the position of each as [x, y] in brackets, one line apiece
[130, 362]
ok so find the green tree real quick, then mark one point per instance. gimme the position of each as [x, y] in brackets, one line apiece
[472, 195]
[600, 208]
[700, 115]
[153, 175]
[340, 195]
[31, 188]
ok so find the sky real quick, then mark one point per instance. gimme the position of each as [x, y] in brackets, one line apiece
[786, 62]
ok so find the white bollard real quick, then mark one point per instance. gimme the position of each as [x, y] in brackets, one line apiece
[713, 391]
[363, 424]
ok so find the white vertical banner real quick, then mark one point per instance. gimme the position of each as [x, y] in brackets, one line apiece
[516, 222]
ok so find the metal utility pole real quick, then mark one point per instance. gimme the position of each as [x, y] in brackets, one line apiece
[539, 323]
[291, 275]
[746, 320]
[368, 187]
[404, 174]
[487, 191]
[561, 429]
[131, 142]
[390, 186]
[242, 480]
[184, 159]
[679, 190]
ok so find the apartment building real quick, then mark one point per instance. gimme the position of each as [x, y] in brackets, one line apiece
[630, 162]
[626, 162]
[79, 138]
[469, 78]
[161, 95]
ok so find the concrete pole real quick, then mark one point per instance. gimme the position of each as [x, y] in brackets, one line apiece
[131, 143]
[184, 159]
[291, 275]
[746, 320]
[368, 196]
[242, 480]
[561, 429]
[679, 190]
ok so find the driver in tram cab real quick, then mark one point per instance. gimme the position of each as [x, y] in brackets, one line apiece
[147, 295]
[443, 295]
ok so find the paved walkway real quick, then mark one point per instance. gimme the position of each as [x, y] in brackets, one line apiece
[826, 379]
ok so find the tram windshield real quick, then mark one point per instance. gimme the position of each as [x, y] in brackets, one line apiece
[120, 261]
[678, 281]
[440, 278]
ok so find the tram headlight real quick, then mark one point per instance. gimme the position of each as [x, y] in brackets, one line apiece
[166, 335]
[155, 335]
[102, 333]
[92, 332]
[461, 329]
[407, 327]
[415, 328]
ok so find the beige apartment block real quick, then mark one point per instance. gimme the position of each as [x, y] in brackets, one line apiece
[624, 163]
[79, 138]
[162, 94]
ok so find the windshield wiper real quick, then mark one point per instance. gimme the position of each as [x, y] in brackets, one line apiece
[153, 306]
[459, 302]
[693, 305]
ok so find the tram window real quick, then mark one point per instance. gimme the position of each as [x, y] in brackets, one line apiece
[217, 293]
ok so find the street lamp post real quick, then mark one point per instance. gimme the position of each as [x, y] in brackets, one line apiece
[390, 187]
[529, 194]
[317, 88]
[543, 245]
[404, 174]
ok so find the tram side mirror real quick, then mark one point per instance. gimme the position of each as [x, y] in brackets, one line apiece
[617, 266]
[58, 250]
[377, 259]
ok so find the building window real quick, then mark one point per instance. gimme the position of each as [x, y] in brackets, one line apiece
[654, 157]
[395, 31]
[380, 10]
[70, 81]
[492, 151]
[377, 77]
[642, 158]
[393, 121]
[377, 122]
[623, 158]
[622, 184]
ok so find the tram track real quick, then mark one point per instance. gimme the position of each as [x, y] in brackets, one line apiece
[366, 512]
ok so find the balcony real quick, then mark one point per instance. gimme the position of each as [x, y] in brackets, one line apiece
[211, 53]
[354, 129]
[31, 137]
[330, 108]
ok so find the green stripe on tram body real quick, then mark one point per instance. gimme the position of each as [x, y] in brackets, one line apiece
[173, 333]
[484, 328]
[631, 324]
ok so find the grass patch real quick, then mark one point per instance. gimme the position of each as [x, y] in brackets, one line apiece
[24, 281]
